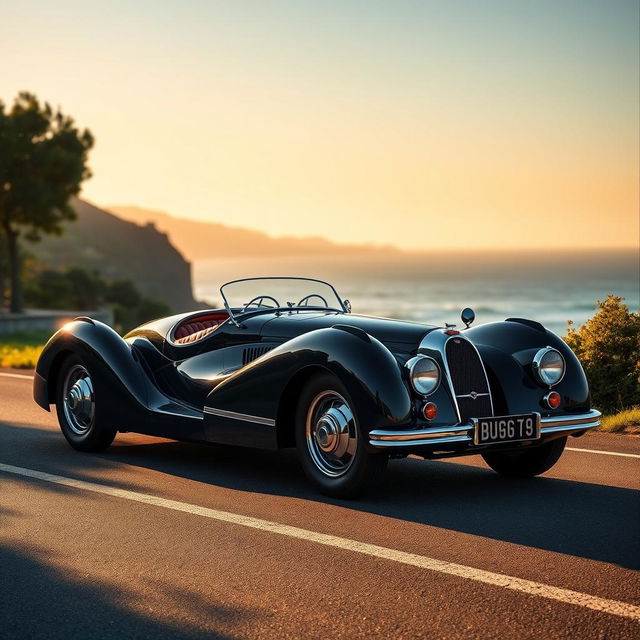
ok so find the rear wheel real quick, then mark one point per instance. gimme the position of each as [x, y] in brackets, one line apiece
[78, 411]
[528, 462]
[330, 443]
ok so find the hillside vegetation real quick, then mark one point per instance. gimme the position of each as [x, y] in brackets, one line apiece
[121, 250]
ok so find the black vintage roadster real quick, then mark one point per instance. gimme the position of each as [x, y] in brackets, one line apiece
[285, 364]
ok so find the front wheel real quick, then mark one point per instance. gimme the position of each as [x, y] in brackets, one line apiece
[330, 443]
[527, 462]
[78, 412]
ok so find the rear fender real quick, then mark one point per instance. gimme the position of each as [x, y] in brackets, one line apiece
[119, 375]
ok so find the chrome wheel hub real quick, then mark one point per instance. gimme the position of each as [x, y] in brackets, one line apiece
[79, 402]
[332, 434]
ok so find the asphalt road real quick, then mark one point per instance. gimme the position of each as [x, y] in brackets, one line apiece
[165, 539]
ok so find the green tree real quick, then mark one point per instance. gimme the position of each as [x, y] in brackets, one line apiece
[150, 309]
[608, 346]
[88, 288]
[43, 161]
[123, 292]
[49, 289]
[74, 288]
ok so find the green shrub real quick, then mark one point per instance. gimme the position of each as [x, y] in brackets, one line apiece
[78, 289]
[74, 288]
[608, 346]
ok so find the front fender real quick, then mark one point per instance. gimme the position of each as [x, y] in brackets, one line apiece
[365, 366]
[507, 350]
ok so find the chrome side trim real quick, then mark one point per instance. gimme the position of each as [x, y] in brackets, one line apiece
[244, 417]
[464, 433]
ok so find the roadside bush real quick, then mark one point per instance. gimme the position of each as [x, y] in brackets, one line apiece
[21, 350]
[627, 421]
[608, 346]
[75, 288]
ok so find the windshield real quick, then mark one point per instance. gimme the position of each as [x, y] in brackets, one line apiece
[256, 294]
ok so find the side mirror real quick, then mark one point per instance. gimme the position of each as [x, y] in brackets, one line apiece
[347, 305]
[467, 316]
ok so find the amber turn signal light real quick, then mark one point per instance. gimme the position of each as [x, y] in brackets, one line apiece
[430, 410]
[552, 399]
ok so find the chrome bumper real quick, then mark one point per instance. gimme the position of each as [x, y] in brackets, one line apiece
[463, 434]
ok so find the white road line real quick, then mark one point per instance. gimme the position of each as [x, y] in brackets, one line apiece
[605, 453]
[613, 607]
[16, 375]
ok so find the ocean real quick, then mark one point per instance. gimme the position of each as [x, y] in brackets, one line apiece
[550, 287]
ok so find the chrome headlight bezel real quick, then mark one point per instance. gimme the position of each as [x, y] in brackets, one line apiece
[538, 366]
[415, 367]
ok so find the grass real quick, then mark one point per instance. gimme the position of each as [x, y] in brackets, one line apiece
[21, 350]
[627, 421]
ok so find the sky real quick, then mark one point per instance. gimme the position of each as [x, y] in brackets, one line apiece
[421, 124]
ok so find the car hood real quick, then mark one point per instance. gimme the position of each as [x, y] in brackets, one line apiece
[387, 330]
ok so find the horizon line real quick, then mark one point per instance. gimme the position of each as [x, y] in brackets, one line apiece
[392, 248]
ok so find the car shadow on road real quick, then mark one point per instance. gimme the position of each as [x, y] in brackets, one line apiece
[581, 519]
[40, 600]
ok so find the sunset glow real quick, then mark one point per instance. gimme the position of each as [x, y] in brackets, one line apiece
[417, 124]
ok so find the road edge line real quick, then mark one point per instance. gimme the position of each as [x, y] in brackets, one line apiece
[567, 596]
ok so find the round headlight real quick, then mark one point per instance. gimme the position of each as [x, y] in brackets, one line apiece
[548, 366]
[424, 374]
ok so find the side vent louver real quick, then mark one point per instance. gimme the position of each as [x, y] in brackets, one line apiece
[251, 353]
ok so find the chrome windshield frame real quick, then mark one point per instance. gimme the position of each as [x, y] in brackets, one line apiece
[237, 315]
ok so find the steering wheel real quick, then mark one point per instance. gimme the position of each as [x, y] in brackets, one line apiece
[312, 295]
[258, 302]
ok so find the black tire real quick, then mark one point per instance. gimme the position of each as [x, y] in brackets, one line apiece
[80, 419]
[528, 462]
[323, 401]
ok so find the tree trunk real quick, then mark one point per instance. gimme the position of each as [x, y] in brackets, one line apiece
[13, 254]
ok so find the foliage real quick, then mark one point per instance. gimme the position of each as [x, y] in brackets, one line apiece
[608, 346]
[74, 288]
[42, 164]
[21, 350]
[79, 289]
[627, 421]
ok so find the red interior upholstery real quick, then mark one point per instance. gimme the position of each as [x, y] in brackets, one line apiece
[197, 327]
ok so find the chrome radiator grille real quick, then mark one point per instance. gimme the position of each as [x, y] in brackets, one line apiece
[468, 378]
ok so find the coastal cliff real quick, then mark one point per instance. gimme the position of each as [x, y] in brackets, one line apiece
[119, 249]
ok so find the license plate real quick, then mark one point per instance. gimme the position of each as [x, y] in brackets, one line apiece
[506, 428]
